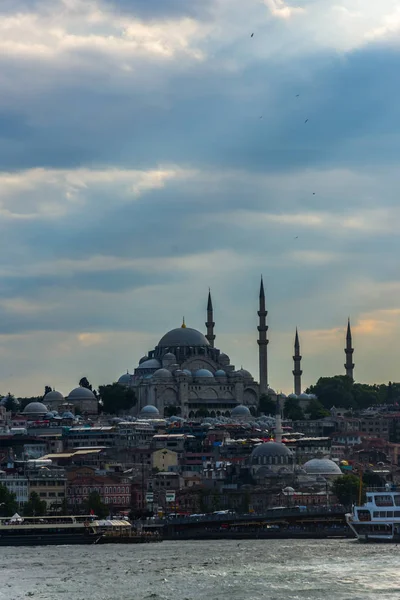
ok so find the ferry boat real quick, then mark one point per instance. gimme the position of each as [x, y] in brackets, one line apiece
[45, 531]
[378, 518]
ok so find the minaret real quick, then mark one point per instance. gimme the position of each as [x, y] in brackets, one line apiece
[349, 365]
[297, 372]
[263, 342]
[278, 420]
[210, 323]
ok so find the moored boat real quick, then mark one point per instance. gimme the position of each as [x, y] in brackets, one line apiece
[378, 518]
[46, 531]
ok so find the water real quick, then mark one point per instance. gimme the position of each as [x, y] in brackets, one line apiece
[216, 570]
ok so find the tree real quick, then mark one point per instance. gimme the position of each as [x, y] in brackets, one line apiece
[346, 489]
[47, 390]
[315, 410]
[334, 391]
[8, 503]
[10, 403]
[117, 398]
[94, 504]
[266, 405]
[292, 409]
[84, 382]
[35, 507]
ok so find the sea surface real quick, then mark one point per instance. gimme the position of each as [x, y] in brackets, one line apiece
[215, 570]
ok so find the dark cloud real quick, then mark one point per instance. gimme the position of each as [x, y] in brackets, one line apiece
[156, 9]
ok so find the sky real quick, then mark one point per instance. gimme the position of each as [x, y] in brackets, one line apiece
[151, 149]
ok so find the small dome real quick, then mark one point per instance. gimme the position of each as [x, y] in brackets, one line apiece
[125, 379]
[223, 359]
[203, 373]
[183, 336]
[53, 396]
[271, 392]
[187, 372]
[245, 374]
[35, 409]
[321, 466]
[150, 412]
[270, 449]
[143, 359]
[241, 411]
[152, 363]
[283, 396]
[312, 397]
[81, 393]
[304, 396]
[294, 396]
[288, 491]
[163, 374]
[220, 373]
[169, 356]
[68, 415]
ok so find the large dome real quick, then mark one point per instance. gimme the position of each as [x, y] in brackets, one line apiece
[151, 363]
[183, 336]
[125, 379]
[81, 393]
[53, 396]
[321, 466]
[270, 449]
[35, 409]
[203, 373]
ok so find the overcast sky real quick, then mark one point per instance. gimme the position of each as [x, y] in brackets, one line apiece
[150, 149]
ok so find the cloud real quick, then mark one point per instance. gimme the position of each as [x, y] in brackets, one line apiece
[279, 9]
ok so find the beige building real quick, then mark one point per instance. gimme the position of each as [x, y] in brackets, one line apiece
[164, 459]
[50, 484]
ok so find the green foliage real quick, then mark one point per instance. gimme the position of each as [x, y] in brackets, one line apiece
[35, 507]
[334, 391]
[315, 410]
[346, 489]
[171, 411]
[266, 405]
[292, 410]
[8, 504]
[117, 398]
[95, 504]
[11, 403]
[84, 382]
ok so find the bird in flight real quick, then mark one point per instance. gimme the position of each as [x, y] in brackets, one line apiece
[297, 95]
[297, 237]
[306, 121]
[261, 117]
[313, 193]
[252, 35]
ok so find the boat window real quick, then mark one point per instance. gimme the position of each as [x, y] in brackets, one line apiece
[376, 514]
[397, 513]
[397, 499]
[389, 513]
[382, 514]
[383, 500]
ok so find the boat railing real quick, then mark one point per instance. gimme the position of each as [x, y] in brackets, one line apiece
[388, 489]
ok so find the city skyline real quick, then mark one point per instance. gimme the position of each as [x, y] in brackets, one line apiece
[150, 151]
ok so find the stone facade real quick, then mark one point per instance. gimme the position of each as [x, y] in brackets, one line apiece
[186, 373]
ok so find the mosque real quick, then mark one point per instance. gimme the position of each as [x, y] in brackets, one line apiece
[186, 373]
